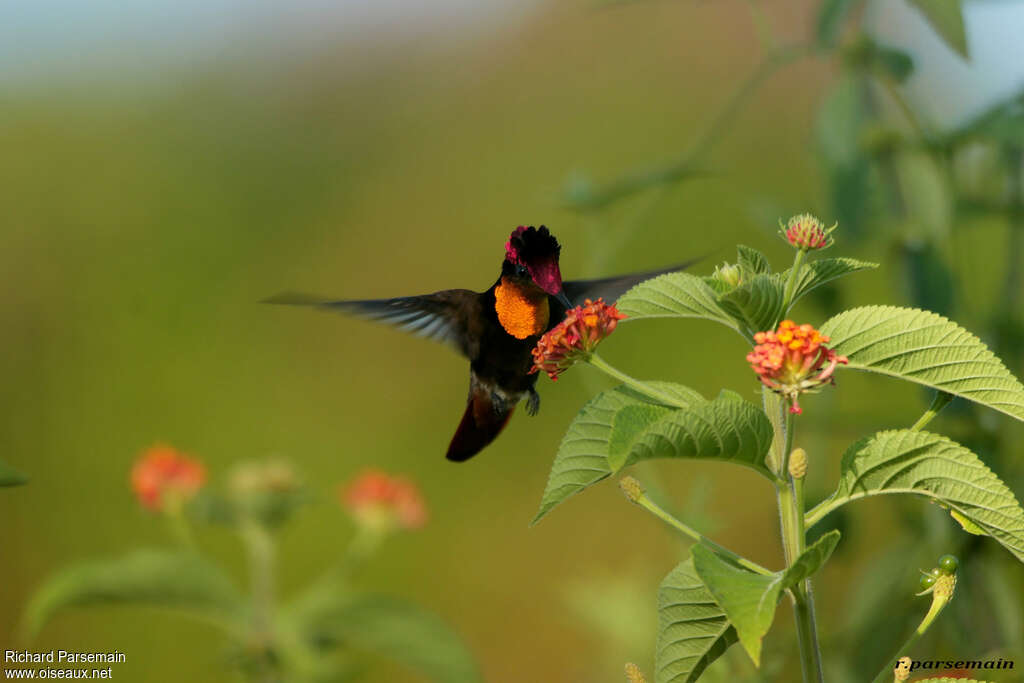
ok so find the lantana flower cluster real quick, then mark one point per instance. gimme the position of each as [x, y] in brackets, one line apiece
[162, 473]
[793, 360]
[382, 502]
[575, 338]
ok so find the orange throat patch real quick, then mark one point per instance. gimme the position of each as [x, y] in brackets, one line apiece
[522, 310]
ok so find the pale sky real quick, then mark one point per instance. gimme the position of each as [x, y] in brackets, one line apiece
[40, 37]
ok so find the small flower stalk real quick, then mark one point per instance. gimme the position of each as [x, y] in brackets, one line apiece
[575, 338]
[793, 360]
[807, 233]
[380, 502]
[163, 476]
[267, 492]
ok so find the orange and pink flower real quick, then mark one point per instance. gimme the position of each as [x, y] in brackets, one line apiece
[378, 500]
[162, 472]
[793, 360]
[575, 338]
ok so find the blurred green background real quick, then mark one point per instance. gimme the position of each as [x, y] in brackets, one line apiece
[150, 198]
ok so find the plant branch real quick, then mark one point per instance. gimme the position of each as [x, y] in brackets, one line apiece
[942, 593]
[794, 540]
[939, 401]
[762, 25]
[641, 499]
[794, 275]
[174, 513]
[633, 383]
[261, 568]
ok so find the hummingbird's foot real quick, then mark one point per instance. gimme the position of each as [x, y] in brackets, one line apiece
[533, 402]
[499, 403]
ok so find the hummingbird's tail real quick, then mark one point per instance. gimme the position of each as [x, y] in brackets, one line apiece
[487, 413]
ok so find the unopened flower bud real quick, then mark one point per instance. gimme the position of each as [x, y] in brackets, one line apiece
[263, 477]
[633, 674]
[728, 274]
[807, 233]
[902, 670]
[798, 463]
[631, 488]
[942, 591]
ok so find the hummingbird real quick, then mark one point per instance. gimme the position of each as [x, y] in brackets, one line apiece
[496, 329]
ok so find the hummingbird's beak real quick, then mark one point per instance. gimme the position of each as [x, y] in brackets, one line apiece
[564, 300]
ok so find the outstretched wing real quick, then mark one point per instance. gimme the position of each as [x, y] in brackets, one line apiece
[442, 316]
[611, 288]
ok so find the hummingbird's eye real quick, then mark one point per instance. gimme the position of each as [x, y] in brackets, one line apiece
[522, 271]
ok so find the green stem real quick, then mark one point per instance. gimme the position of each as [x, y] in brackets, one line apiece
[631, 382]
[939, 401]
[774, 405]
[260, 545]
[938, 604]
[174, 512]
[794, 539]
[822, 509]
[762, 25]
[656, 510]
[794, 275]
[893, 90]
[363, 545]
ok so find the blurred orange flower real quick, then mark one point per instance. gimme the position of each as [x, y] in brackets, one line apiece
[574, 338]
[380, 501]
[791, 360]
[161, 471]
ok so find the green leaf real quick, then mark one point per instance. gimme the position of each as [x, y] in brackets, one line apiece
[693, 631]
[749, 599]
[928, 349]
[728, 428]
[1003, 123]
[840, 119]
[966, 524]
[674, 295]
[896, 63]
[582, 457]
[838, 132]
[947, 18]
[752, 261]
[924, 464]
[850, 189]
[830, 20]
[816, 273]
[929, 278]
[10, 476]
[757, 302]
[176, 580]
[927, 195]
[401, 631]
[628, 425]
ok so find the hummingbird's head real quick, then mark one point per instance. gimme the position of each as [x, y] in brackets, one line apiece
[533, 252]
